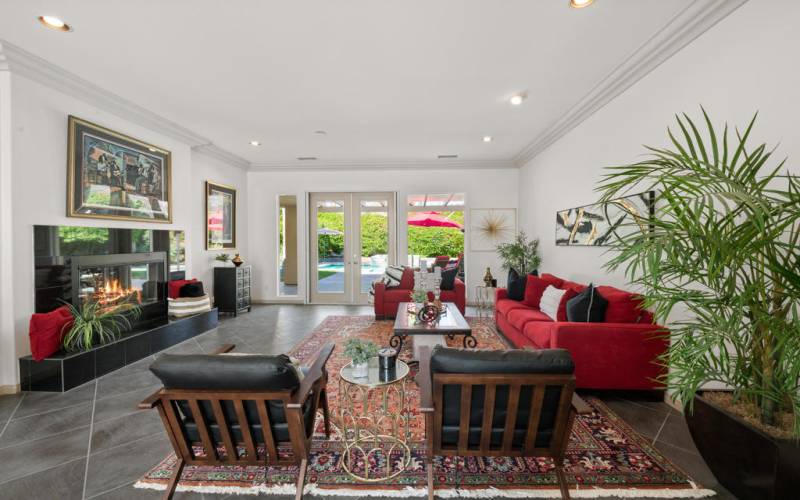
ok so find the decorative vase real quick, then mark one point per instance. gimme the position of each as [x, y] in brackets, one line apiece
[360, 370]
[237, 261]
[488, 278]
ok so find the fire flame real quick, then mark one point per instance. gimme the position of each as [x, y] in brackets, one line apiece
[113, 293]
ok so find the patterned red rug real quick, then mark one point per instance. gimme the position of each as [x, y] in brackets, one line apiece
[605, 456]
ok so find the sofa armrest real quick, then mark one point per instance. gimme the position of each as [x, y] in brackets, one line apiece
[499, 294]
[379, 289]
[461, 295]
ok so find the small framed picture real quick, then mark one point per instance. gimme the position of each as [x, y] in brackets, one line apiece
[220, 216]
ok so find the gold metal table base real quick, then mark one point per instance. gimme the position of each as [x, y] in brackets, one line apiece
[374, 429]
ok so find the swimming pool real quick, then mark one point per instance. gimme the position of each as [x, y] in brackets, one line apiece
[338, 267]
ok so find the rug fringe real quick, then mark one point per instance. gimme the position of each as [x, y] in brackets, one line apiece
[313, 490]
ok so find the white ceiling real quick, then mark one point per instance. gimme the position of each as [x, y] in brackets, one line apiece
[404, 80]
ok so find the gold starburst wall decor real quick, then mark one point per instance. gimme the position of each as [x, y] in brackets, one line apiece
[491, 227]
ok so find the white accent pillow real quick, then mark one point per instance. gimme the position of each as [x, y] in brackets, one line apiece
[551, 298]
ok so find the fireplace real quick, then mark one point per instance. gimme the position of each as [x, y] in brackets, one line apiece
[130, 277]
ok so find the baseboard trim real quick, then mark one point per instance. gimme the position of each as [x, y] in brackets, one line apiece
[9, 389]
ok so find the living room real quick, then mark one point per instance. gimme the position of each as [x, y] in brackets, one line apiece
[467, 249]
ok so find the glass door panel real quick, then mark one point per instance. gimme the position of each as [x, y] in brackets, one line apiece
[375, 222]
[330, 269]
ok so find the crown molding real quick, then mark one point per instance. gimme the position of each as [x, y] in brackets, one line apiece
[697, 18]
[404, 164]
[25, 64]
[222, 154]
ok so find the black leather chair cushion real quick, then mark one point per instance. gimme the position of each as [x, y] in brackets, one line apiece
[219, 372]
[546, 361]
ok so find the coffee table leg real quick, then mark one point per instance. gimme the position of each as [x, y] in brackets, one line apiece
[469, 341]
[397, 342]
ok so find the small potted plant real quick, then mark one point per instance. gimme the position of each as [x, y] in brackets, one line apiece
[224, 258]
[96, 323]
[360, 351]
[418, 296]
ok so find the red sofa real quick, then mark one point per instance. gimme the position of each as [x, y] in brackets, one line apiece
[387, 298]
[617, 354]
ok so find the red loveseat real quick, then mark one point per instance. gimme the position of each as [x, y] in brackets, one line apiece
[388, 298]
[617, 354]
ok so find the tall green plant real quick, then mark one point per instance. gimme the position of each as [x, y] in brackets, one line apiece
[724, 250]
[95, 323]
[521, 255]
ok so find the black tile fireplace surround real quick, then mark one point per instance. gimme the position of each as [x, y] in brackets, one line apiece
[73, 264]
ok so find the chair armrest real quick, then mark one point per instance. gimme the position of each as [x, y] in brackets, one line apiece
[423, 380]
[580, 406]
[499, 294]
[313, 376]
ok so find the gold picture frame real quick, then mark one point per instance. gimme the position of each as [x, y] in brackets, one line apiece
[220, 216]
[111, 175]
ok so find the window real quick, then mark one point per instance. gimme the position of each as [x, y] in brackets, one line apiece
[436, 229]
[287, 245]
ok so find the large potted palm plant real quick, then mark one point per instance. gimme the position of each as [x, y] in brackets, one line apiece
[720, 262]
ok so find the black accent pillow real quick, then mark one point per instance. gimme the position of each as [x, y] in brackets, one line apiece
[516, 285]
[449, 279]
[587, 307]
[194, 289]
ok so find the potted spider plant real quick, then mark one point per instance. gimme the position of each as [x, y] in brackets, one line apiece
[721, 260]
[97, 324]
[360, 352]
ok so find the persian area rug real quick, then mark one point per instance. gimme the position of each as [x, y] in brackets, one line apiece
[605, 457]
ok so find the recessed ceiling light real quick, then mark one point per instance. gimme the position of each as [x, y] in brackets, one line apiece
[255, 143]
[487, 138]
[54, 23]
[579, 4]
[320, 132]
[306, 158]
[516, 99]
[447, 157]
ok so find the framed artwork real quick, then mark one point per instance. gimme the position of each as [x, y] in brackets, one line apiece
[599, 224]
[113, 176]
[490, 227]
[220, 216]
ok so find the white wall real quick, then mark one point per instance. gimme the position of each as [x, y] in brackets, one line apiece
[206, 168]
[38, 195]
[746, 63]
[484, 188]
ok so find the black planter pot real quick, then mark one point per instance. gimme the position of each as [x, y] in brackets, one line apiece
[745, 460]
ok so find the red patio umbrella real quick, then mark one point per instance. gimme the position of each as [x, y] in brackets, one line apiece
[432, 219]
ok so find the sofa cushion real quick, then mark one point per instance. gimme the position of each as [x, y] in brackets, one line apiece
[548, 361]
[396, 295]
[504, 306]
[192, 289]
[520, 317]
[407, 279]
[571, 285]
[551, 298]
[552, 280]
[561, 314]
[623, 307]
[516, 285]
[46, 330]
[448, 279]
[174, 287]
[538, 332]
[587, 307]
[211, 371]
[534, 288]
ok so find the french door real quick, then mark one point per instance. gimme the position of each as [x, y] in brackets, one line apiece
[352, 238]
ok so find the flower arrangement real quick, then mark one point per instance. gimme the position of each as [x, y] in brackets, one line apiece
[360, 351]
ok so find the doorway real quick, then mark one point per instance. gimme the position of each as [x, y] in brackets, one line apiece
[352, 240]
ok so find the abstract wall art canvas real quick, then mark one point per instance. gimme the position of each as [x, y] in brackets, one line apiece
[600, 224]
[113, 176]
[490, 227]
[220, 216]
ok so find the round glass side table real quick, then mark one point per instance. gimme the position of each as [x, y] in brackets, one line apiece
[484, 296]
[374, 421]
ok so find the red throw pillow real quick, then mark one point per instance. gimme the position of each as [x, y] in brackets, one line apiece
[623, 307]
[561, 314]
[552, 280]
[46, 331]
[572, 285]
[534, 288]
[407, 279]
[174, 287]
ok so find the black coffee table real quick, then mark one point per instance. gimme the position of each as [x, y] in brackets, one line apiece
[450, 324]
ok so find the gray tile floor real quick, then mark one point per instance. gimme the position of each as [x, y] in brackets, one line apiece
[92, 442]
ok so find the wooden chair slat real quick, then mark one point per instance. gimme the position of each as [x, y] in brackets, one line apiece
[202, 429]
[178, 431]
[463, 429]
[244, 426]
[533, 419]
[511, 416]
[230, 450]
[563, 416]
[488, 416]
[266, 430]
[438, 390]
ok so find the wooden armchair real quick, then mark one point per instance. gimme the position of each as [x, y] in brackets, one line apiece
[261, 409]
[503, 403]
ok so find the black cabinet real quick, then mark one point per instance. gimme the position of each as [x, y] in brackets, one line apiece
[232, 289]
